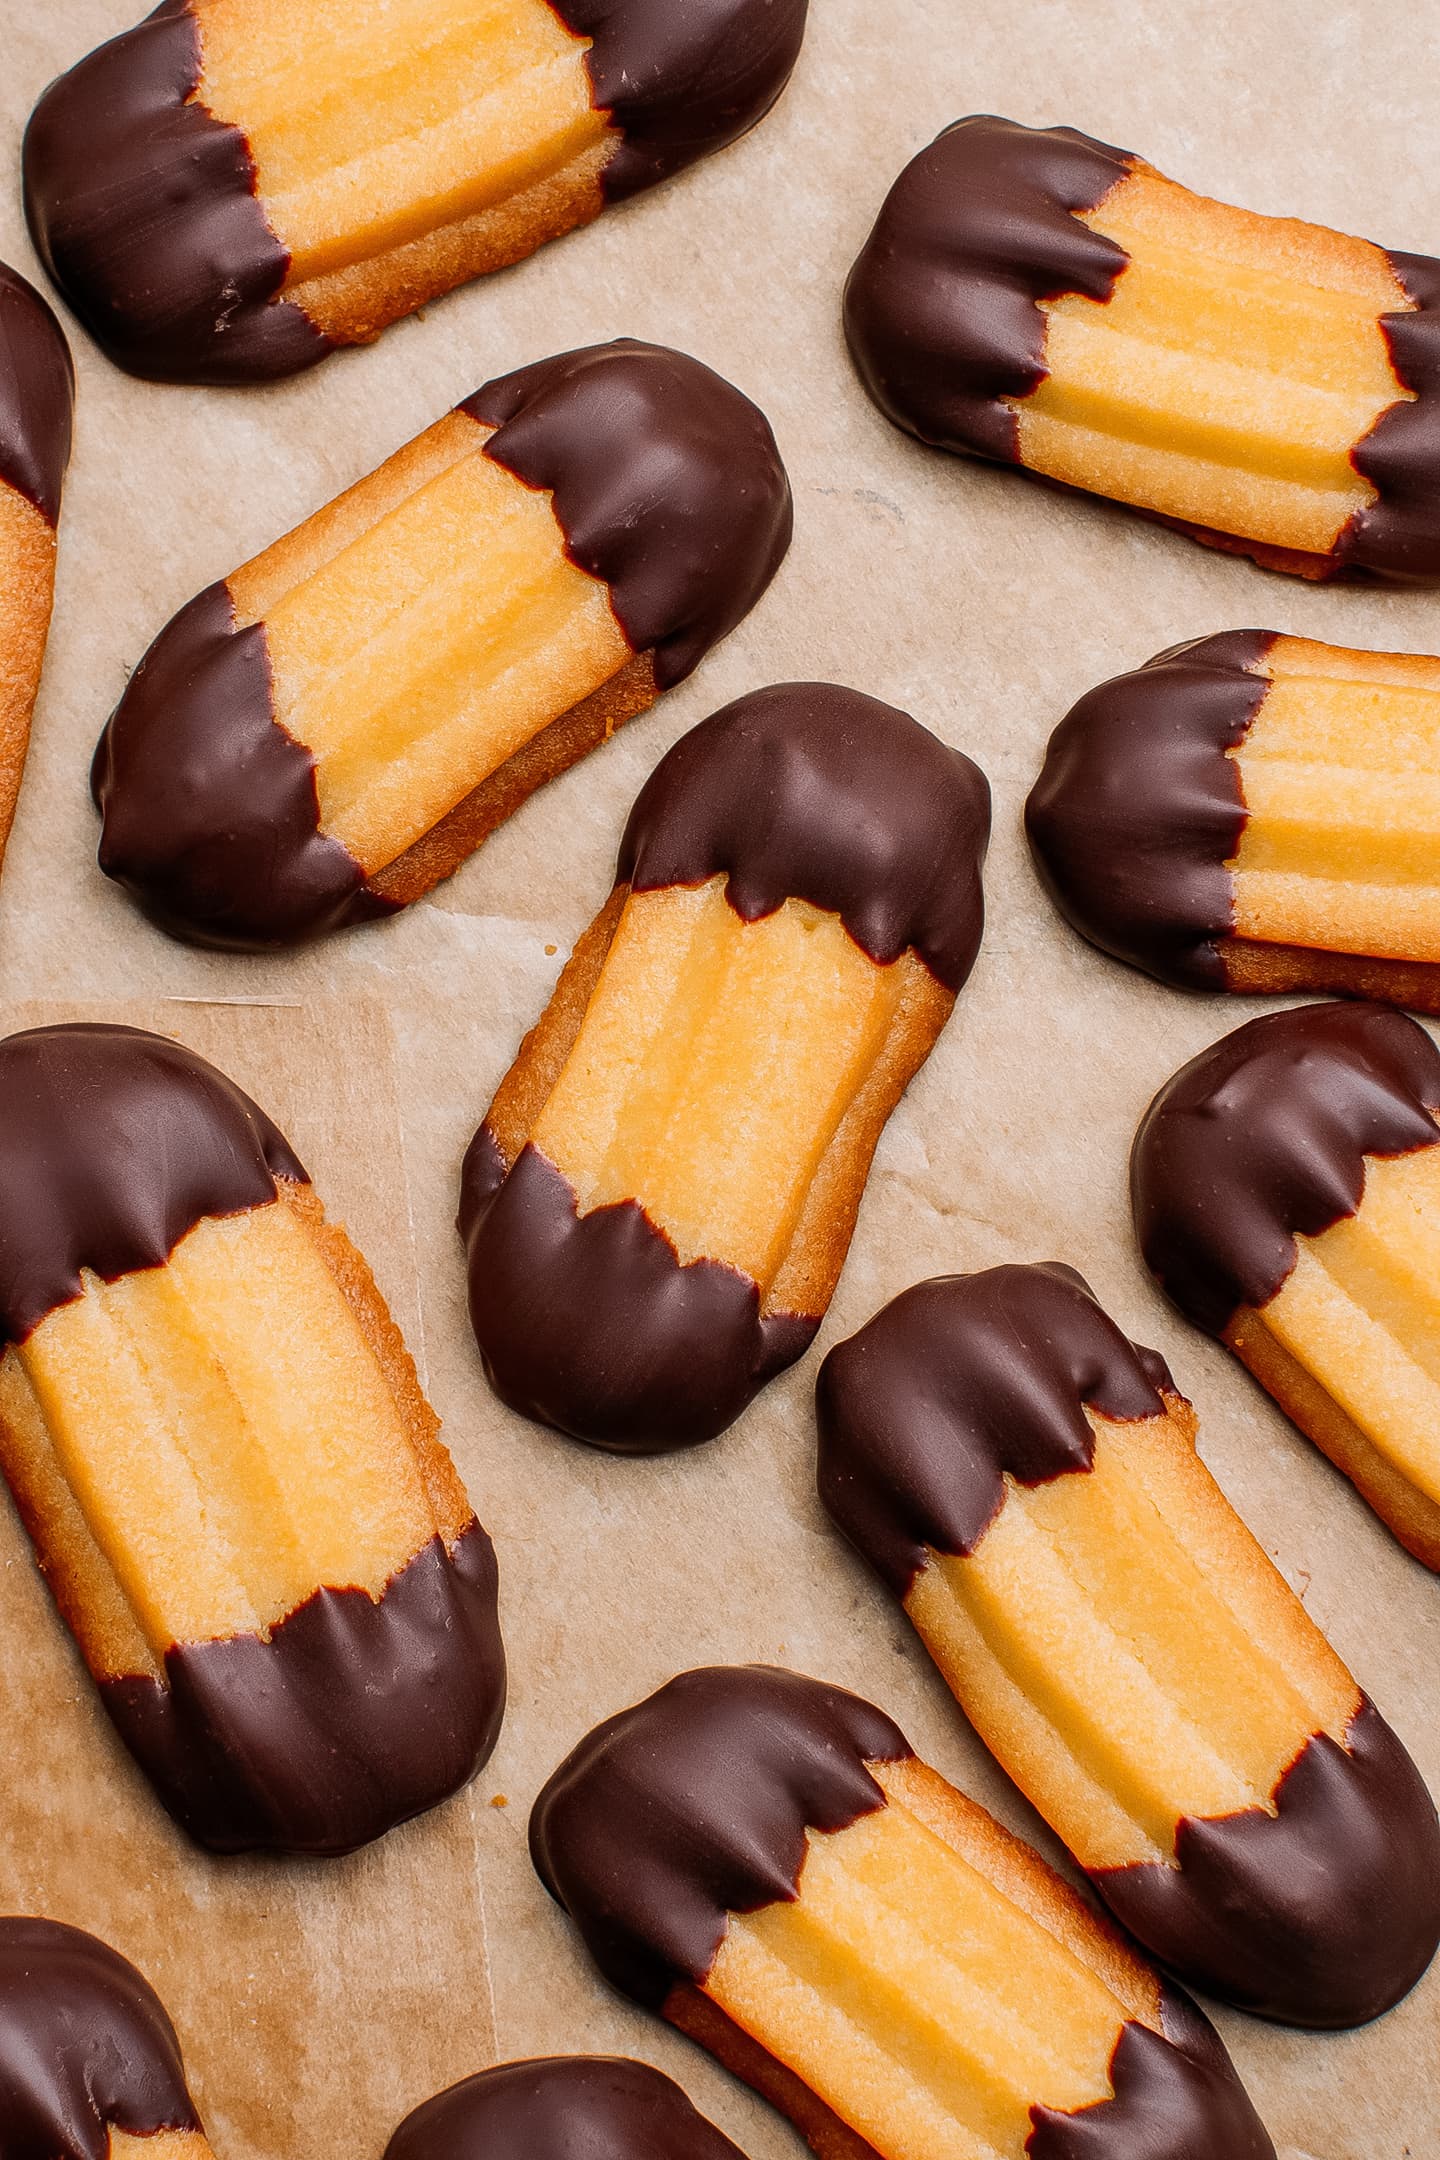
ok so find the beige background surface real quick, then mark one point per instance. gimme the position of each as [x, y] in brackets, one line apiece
[982, 604]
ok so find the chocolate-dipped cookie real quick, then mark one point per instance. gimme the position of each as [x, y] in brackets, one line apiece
[1286, 1193]
[760, 1858]
[1253, 813]
[37, 396]
[323, 737]
[660, 1199]
[1272, 388]
[217, 1442]
[561, 2107]
[90, 2067]
[227, 192]
[1025, 1481]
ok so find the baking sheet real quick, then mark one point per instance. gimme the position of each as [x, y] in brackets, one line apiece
[319, 2003]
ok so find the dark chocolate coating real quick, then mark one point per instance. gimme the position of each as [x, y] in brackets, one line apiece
[681, 81]
[1323, 1914]
[352, 1717]
[941, 308]
[956, 1385]
[1138, 810]
[666, 479]
[1397, 537]
[85, 2045]
[667, 484]
[142, 208]
[211, 819]
[561, 2107]
[1263, 1138]
[943, 322]
[809, 792]
[590, 1323]
[1176, 2097]
[113, 1145]
[37, 396]
[694, 1805]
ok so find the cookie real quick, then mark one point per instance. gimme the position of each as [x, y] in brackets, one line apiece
[1025, 1481]
[561, 2107]
[1286, 1193]
[324, 736]
[1253, 813]
[661, 1196]
[761, 1859]
[1272, 388]
[90, 2067]
[217, 1442]
[37, 397]
[234, 188]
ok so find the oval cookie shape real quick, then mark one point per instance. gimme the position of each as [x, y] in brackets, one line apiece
[321, 738]
[1253, 812]
[761, 1858]
[226, 193]
[1025, 1480]
[88, 2056]
[561, 2107]
[1285, 1186]
[1270, 387]
[217, 1442]
[660, 1199]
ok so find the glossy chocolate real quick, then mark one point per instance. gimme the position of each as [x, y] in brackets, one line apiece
[679, 82]
[667, 484]
[113, 1145]
[561, 2107]
[666, 479]
[37, 396]
[809, 792]
[591, 1324]
[1138, 810]
[1176, 2097]
[1323, 1913]
[142, 208]
[85, 2045]
[211, 819]
[1397, 537]
[957, 1385]
[694, 1805]
[942, 307]
[350, 1717]
[1263, 1139]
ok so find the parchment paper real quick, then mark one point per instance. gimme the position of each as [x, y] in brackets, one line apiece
[317, 2004]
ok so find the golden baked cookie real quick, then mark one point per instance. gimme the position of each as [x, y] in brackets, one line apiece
[233, 188]
[90, 2067]
[761, 1859]
[37, 396]
[217, 1442]
[1254, 813]
[1025, 1480]
[336, 727]
[1286, 1193]
[1034, 297]
[660, 1199]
